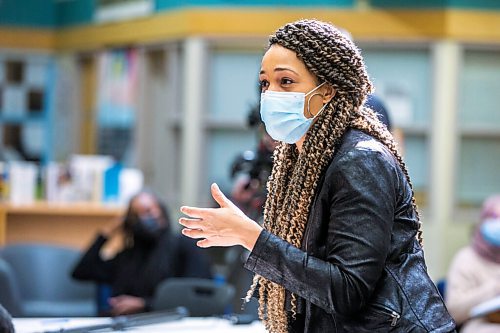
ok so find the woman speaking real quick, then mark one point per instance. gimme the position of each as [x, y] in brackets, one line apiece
[340, 249]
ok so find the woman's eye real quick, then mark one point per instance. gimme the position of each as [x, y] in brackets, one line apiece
[286, 81]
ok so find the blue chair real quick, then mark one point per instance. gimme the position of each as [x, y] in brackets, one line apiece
[38, 282]
[9, 290]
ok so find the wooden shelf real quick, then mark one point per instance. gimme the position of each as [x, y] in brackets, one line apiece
[66, 224]
[71, 209]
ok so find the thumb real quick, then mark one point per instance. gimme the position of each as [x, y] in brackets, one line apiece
[219, 196]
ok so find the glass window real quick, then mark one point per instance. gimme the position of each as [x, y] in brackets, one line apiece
[233, 91]
[479, 122]
[116, 102]
[402, 80]
[233, 85]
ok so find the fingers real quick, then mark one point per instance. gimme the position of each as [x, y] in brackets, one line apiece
[195, 212]
[118, 309]
[219, 196]
[115, 304]
[196, 234]
[204, 243]
[193, 233]
[191, 223]
[201, 213]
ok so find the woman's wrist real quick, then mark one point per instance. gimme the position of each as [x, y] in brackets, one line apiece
[251, 235]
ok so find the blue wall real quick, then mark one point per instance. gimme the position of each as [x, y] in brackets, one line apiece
[32, 13]
[433, 4]
[52, 13]
[46, 13]
[75, 12]
[169, 4]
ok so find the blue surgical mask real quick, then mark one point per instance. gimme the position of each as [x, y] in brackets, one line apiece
[490, 230]
[147, 229]
[283, 114]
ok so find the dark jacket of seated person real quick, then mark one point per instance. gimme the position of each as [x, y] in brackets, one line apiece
[151, 254]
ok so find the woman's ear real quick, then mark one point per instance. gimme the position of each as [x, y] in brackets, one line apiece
[328, 93]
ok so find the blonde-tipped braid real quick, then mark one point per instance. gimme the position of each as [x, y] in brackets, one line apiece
[334, 59]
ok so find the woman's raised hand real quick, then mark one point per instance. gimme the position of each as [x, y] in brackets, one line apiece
[224, 226]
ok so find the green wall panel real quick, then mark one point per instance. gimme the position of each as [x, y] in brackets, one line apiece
[169, 4]
[75, 12]
[29, 13]
[478, 175]
[432, 4]
[479, 99]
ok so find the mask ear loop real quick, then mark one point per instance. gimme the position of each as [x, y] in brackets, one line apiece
[308, 110]
[309, 103]
[322, 109]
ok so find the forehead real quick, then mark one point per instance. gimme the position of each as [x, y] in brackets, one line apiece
[279, 56]
[143, 201]
[496, 209]
[491, 207]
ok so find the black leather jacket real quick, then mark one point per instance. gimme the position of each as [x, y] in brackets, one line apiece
[360, 268]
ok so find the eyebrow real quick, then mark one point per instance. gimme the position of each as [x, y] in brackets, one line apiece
[280, 69]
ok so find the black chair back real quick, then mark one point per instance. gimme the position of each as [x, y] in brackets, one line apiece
[202, 297]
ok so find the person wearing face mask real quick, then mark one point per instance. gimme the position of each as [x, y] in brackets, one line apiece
[340, 249]
[151, 254]
[474, 274]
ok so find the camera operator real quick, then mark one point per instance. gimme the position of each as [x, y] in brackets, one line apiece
[251, 169]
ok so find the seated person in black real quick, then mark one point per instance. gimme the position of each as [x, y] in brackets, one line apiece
[151, 254]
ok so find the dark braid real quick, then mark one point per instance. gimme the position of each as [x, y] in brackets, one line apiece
[332, 58]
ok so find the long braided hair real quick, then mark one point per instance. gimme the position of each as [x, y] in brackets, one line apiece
[333, 58]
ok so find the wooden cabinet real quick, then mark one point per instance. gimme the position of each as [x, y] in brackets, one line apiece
[74, 225]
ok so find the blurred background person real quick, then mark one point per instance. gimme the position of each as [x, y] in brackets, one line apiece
[474, 275]
[376, 104]
[151, 254]
[251, 169]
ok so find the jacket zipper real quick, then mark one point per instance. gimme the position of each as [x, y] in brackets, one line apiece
[395, 317]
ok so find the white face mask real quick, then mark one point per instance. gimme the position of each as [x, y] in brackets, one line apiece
[283, 114]
[490, 229]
